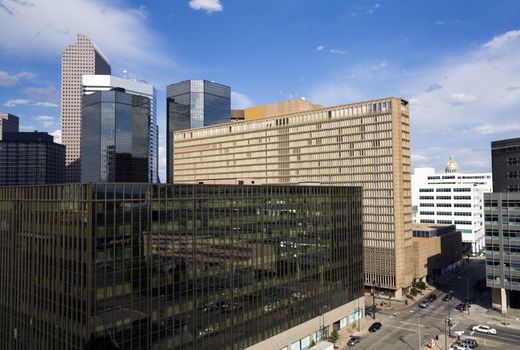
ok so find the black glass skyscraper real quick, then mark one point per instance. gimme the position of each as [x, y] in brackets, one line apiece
[194, 104]
[31, 158]
[115, 137]
[177, 267]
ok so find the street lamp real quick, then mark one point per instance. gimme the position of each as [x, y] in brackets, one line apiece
[467, 289]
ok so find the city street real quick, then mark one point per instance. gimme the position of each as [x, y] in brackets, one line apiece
[411, 327]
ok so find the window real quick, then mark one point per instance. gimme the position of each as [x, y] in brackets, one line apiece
[444, 213]
[426, 190]
[426, 197]
[426, 204]
[443, 197]
[462, 190]
[443, 190]
[426, 212]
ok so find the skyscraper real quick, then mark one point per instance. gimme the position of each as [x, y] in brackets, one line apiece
[31, 158]
[93, 83]
[363, 144]
[194, 104]
[502, 215]
[115, 137]
[79, 58]
[8, 123]
[178, 267]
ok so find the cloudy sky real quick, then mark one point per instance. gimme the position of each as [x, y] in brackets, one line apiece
[456, 61]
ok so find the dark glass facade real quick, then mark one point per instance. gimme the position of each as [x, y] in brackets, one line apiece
[8, 123]
[31, 158]
[115, 133]
[502, 220]
[144, 266]
[194, 104]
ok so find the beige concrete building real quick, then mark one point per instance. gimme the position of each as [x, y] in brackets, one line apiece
[436, 249]
[360, 144]
[78, 59]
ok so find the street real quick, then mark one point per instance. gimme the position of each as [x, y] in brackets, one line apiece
[411, 327]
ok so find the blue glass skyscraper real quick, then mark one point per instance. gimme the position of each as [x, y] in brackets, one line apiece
[115, 137]
[194, 104]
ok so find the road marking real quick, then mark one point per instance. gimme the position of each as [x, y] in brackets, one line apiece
[405, 329]
[496, 336]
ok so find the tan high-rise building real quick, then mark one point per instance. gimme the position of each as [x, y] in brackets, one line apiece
[360, 144]
[78, 59]
[284, 107]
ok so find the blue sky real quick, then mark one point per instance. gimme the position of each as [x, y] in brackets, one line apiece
[457, 61]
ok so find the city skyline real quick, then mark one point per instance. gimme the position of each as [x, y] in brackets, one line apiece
[443, 62]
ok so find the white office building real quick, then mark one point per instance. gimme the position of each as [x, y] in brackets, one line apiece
[93, 83]
[452, 198]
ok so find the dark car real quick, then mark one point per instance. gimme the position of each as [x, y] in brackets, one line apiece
[462, 307]
[354, 340]
[472, 343]
[375, 327]
[447, 297]
[431, 297]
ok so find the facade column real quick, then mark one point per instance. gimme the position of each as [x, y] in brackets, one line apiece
[503, 300]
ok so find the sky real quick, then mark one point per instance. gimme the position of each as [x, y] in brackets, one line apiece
[456, 61]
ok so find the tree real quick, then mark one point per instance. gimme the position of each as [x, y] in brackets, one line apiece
[414, 291]
[334, 336]
[313, 343]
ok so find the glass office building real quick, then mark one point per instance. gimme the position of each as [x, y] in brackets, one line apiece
[115, 134]
[502, 215]
[31, 158]
[148, 266]
[194, 104]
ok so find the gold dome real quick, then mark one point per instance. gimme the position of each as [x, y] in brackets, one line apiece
[451, 166]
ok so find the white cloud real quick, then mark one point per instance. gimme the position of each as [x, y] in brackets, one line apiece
[475, 95]
[240, 101]
[440, 23]
[418, 157]
[338, 51]
[16, 102]
[207, 5]
[29, 127]
[7, 79]
[501, 41]
[46, 120]
[320, 47]
[57, 135]
[486, 129]
[46, 104]
[462, 98]
[46, 27]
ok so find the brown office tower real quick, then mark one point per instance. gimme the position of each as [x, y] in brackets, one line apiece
[360, 144]
[80, 58]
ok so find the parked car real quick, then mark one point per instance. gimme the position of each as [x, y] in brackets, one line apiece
[459, 346]
[354, 340]
[375, 327]
[424, 303]
[484, 329]
[431, 298]
[447, 297]
[472, 343]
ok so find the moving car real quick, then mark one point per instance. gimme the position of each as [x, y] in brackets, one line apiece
[354, 340]
[447, 297]
[484, 329]
[375, 327]
[458, 346]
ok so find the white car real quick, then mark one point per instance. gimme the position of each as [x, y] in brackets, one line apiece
[484, 329]
[458, 347]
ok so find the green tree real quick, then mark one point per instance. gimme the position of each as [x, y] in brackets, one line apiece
[313, 343]
[414, 291]
[334, 336]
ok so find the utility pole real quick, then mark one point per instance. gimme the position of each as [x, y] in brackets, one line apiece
[446, 322]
